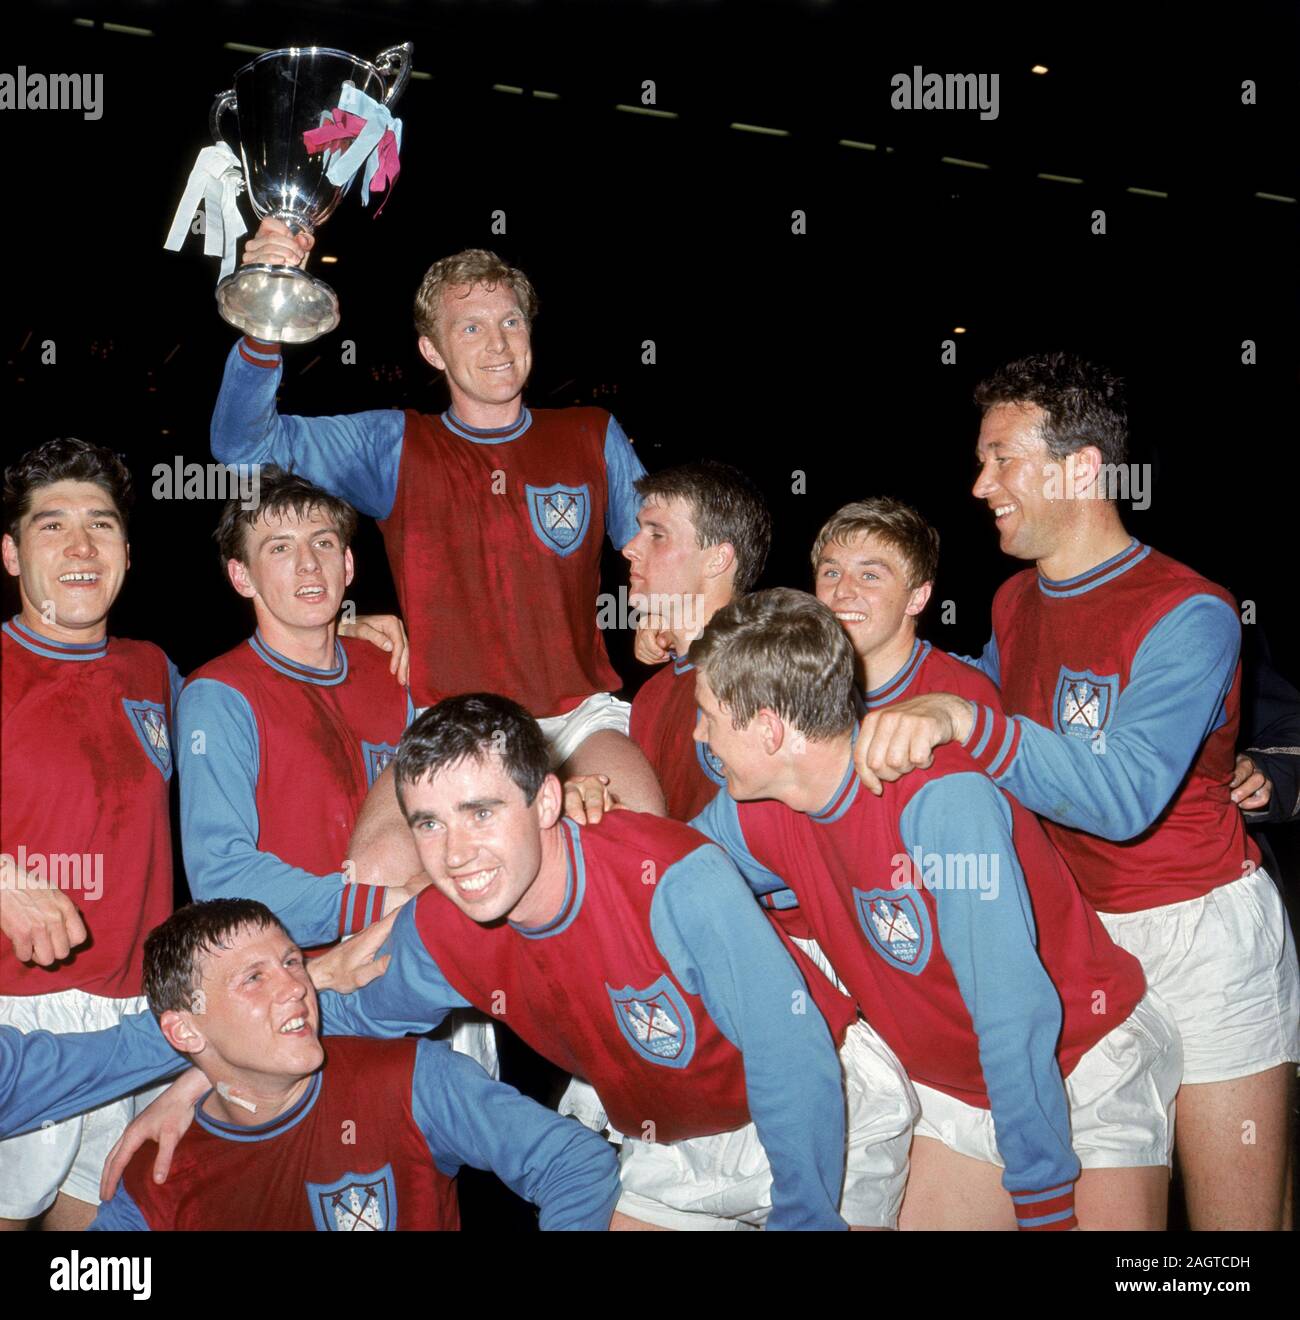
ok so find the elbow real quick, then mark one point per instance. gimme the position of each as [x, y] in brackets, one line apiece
[1128, 820]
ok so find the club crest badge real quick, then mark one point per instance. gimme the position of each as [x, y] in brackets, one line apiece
[355, 1203]
[149, 720]
[376, 756]
[1084, 702]
[896, 923]
[710, 763]
[656, 1022]
[560, 515]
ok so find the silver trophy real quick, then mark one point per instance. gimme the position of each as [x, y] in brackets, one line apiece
[280, 99]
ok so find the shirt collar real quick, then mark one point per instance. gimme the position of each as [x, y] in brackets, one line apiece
[303, 673]
[50, 649]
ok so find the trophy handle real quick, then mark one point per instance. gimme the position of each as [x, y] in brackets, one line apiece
[395, 63]
[224, 101]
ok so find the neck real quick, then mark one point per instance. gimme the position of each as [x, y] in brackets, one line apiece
[74, 634]
[270, 1096]
[543, 899]
[714, 597]
[1094, 537]
[313, 647]
[486, 416]
[877, 667]
[815, 773]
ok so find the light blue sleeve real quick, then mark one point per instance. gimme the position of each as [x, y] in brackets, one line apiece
[720, 821]
[48, 1076]
[411, 996]
[568, 1172]
[219, 825]
[988, 663]
[176, 682]
[622, 468]
[990, 941]
[1117, 786]
[721, 947]
[355, 456]
[120, 1215]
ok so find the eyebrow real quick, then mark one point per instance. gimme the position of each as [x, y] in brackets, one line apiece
[643, 521]
[860, 563]
[63, 513]
[261, 961]
[485, 316]
[244, 968]
[327, 529]
[474, 804]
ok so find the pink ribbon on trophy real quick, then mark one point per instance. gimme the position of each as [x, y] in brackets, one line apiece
[342, 127]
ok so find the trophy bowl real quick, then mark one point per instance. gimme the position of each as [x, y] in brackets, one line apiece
[277, 98]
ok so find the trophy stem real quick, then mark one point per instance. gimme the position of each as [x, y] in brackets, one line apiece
[296, 221]
[278, 304]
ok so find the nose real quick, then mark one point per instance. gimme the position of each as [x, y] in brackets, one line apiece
[291, 986]
[460, 848]
[984, 483]
[632, 550]
[81, 544]
[308, 560]
[497, 340]
[843, 589]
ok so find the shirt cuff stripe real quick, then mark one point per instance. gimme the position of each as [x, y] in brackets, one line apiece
[1030, 1198]
[981, 732]
[1054, 1223]
[1001, 763]
[269, 364]
[346, 907]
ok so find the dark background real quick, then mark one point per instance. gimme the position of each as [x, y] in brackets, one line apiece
[779, 352]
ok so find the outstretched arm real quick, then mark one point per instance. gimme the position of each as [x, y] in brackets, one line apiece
[568, 1172]
[721, 947]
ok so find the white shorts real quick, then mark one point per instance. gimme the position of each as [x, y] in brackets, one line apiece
[1225, 966]
[470, 1032]
[1121, 1096]
[566, 733]
[68, 1156]
[724, 1182]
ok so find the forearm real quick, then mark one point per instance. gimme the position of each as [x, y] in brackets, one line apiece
[721, 947]
[46, 1077]
[990, 942]
[355, 455]
[412, 995]
[382, 851]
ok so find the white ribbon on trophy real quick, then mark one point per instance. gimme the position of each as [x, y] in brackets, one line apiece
[365, 146]
[216, 180]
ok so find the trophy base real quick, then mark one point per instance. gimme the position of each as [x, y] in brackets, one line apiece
[278, 304]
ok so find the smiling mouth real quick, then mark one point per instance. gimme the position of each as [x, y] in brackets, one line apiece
[850, 616]
[294, 1026]
[501, 366]
[309, 593]
[71, 578]
[1002, 510]
[476, 883]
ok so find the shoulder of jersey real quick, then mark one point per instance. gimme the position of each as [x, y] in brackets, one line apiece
[363, 657]
[583, 414]
[640, 830]
[953, 675]
[221, 666]
[1016, 585]
[139, 650]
